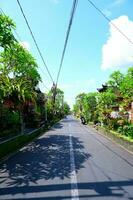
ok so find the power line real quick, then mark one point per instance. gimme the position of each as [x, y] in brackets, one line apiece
[33, 37]
[45, 86]
[18, 36]
[75, 2]
[2, 12]
[109, 20]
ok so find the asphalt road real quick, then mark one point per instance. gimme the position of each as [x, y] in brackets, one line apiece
[70, 161]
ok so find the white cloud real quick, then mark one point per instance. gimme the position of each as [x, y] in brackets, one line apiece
[108, 10]
[78, 84]
[25, 45]
[118, 2]
[118, 51]
[67, 86]
[55, 1]
[90, 82]
[73, 89]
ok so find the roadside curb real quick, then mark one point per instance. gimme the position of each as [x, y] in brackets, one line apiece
[30, 133]
[17, 150]
[17, 136]
[100, 132]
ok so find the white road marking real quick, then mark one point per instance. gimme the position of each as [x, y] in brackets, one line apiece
[74, 186]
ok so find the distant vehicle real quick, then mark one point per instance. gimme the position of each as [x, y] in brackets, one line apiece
[83, 121]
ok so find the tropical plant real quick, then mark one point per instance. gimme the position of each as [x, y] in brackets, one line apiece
[6, 26]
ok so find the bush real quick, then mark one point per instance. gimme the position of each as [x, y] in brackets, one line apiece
[126, 130]
[9, 123]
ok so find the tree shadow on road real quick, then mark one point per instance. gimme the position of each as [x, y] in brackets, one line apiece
[46, 158]
[105, 189]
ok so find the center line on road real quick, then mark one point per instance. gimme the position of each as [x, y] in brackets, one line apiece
[74, 186]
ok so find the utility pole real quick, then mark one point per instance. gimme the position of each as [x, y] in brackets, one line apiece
[54, 92]
[62, 105]
[46, 116]
[53, 89]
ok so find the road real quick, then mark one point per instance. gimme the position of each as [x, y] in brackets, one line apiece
[70, 161]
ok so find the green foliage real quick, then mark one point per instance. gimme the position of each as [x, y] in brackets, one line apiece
[5, 86]
[19, 78]
[6, 27]
[104, 102]
[126, 87]
[13, 118]
[89, 108]
[18, 72]
[98, 107]
[9, 124]
[86, 106]
[19, 62]
[56, 104]
[116, 79]
[126, 130]
[66, 109]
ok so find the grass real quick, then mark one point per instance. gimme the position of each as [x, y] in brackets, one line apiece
[123, 140]
[118, 135]
[127, 138]
[9, 132]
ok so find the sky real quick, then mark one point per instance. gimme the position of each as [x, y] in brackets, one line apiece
[95, 48]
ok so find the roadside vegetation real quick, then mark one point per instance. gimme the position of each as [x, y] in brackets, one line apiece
[111, 106]
[22, 104]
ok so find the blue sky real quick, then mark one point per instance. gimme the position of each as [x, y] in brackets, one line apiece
[94, 50]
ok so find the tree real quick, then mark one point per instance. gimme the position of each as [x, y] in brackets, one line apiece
[104, 105]
[19, 79]
[126, 87]
[115, 80]
[6, 27]
[79, 103]
[20, 72]
[89, 107]
[86, 106]
[56, 100]
[66, 109]
[17, 61]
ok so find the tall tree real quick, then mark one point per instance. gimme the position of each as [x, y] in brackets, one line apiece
[6, 27]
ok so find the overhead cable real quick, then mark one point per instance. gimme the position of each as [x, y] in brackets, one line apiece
[67, 37]
[3, 13]
[18, 36]
[33, 37]
[109, 20]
